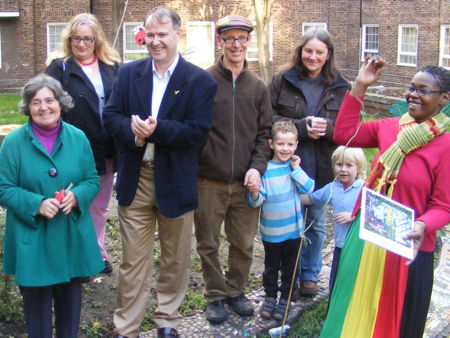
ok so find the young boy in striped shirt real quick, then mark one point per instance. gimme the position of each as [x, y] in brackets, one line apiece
[281, 219]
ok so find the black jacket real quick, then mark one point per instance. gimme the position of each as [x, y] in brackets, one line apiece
[85, 114]
[288, 102]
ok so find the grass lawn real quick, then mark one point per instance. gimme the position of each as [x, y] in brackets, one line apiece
[9, 110]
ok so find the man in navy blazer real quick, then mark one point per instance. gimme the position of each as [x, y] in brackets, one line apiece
[160, 110]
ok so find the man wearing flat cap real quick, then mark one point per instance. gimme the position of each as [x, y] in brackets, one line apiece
[232, 159]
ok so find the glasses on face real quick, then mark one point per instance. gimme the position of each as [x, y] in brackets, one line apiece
[421, 92]
[38, 103]
[230, 40]
[87, 40]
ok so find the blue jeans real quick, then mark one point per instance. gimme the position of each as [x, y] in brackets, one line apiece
[334, 268]
[311, 257]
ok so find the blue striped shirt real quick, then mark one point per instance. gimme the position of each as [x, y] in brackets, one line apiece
[279, 197]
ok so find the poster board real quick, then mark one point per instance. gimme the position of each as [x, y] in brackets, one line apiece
[384, 222]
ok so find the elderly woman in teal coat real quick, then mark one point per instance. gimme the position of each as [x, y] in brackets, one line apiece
[48, 180]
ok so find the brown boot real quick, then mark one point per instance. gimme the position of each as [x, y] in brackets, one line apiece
[309, 288]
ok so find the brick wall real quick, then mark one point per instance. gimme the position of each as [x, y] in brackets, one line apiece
[24, 39]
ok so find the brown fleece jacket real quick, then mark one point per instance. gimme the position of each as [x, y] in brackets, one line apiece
[242, 118]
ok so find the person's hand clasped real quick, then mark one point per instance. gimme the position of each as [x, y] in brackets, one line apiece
[295, 162]
[49, 208]
[142, 128]
[68, 202]
[252, 179]
[316, 127]
[417, 236]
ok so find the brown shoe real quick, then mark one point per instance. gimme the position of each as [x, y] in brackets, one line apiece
[309, 288]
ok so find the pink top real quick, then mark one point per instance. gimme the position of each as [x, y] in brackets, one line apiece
[47, 137]
[424, 177]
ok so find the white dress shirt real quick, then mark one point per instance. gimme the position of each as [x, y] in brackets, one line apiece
[160, 83]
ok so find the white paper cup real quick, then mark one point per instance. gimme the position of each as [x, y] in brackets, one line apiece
[315, 120]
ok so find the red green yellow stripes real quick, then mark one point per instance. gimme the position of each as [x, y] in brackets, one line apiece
[367, 299]
[363, 308]
[392, 297]
[344, 284]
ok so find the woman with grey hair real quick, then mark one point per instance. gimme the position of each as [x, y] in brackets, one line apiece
[47, 183]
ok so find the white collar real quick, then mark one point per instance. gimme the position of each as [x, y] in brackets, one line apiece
[169, 71]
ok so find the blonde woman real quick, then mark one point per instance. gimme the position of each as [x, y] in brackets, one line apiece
[86, 65]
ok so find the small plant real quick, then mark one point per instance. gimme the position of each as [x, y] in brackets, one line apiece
[95, 329]
[310, 323]
[147, 323]
[193, 302]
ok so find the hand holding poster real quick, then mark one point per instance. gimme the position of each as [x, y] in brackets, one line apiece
[384, 222]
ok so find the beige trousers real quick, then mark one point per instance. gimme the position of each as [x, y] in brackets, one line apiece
[224, 202]
[137, 228]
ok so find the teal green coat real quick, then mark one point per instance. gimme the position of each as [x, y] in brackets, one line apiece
[41, 251]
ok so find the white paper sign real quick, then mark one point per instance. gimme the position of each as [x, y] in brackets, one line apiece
[384, 222]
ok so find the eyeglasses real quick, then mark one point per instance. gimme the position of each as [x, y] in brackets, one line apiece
[87, 40]
[38, 103]
[421, 92]
[230, 40]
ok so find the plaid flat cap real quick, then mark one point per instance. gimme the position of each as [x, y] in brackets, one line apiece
[233, 22]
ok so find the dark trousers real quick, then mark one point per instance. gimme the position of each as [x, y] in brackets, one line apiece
[279, 257]
[37, 304]
[334, 267]
[417, 296]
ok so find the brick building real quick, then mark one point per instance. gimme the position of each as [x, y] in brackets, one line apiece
[407, 33]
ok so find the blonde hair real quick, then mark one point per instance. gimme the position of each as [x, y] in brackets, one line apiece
[284, 126]
[355, 155]
[102, 48]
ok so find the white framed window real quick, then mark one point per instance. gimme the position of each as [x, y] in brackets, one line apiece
[131, 50]
[407, 45]
[444, 48]
[313, 25]
[54, 30]
[200, 43]
[370, 40]
[252, 50]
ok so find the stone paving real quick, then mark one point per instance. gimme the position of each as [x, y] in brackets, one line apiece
[438, 322]
[235, 326]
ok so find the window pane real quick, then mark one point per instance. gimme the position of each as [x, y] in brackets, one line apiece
[409, 38]
[131, 50]
[313, 25]
[409, 59]
[200, 43]
[447, 41]
[252, 50]
[54, 36]
[446, 62]
[372, 38]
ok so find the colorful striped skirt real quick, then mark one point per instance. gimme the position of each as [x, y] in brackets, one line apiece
[376, 294]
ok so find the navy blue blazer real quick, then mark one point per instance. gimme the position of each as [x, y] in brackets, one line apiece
[184, 119]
